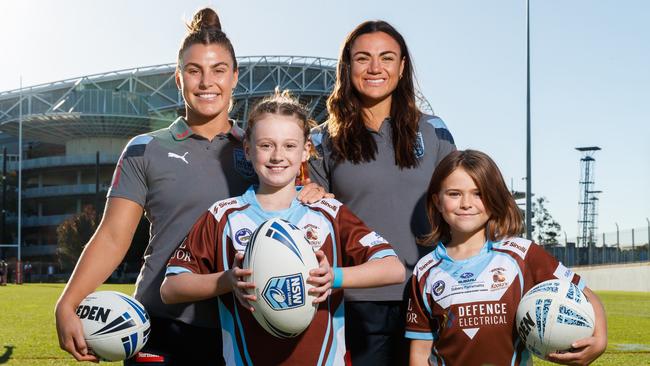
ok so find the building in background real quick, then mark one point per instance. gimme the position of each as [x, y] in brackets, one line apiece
[74, 131]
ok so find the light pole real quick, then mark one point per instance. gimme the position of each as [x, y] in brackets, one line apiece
[19, 277]
[529, 222]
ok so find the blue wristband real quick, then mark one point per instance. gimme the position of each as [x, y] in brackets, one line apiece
[338, 277]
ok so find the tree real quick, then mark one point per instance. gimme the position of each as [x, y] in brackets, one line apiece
[545, 229]
[73, 234]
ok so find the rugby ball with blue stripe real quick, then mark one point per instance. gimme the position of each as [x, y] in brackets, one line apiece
[552, 315]
[281, 258]
[116, 326]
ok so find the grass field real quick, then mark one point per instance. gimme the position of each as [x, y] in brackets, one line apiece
[28, 334]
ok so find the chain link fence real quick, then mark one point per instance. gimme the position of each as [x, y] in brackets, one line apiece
[624, 246]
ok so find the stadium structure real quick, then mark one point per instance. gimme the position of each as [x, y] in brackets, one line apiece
[74, 130]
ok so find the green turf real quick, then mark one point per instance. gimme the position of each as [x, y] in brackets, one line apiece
[27, 325]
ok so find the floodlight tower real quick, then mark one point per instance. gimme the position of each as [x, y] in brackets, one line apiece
[586, 204]
[593, 216]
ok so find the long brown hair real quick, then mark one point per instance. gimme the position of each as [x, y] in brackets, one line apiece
[350, 139]
[205, 28]
[505, 218]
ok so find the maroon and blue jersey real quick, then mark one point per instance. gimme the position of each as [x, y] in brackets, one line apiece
[467, 307]
[226, 230]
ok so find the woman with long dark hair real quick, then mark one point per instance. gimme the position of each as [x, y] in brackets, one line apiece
[377, 151]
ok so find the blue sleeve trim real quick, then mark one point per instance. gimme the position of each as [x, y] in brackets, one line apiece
[437, 122]
[135, 150]
[174, 270]
[419, 335]
[383, 254]
[316, 138]
[581, 284]
[140, 140]
[442, 132]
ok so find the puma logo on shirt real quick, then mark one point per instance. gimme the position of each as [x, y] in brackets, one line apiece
[176, 156]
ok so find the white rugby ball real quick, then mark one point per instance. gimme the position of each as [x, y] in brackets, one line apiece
[552, 315]
[116, 326]
[281, 258]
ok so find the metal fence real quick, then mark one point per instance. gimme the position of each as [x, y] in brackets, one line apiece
[624, 246]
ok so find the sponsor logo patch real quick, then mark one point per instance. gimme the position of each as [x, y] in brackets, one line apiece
[498, 278]
[371, 239]
[512, 244]
[180, 157]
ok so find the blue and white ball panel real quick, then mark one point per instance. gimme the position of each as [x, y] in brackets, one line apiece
[116, 326]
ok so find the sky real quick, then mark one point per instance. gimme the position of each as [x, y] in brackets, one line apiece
[590, 72]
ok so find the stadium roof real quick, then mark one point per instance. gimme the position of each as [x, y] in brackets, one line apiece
[128, 102]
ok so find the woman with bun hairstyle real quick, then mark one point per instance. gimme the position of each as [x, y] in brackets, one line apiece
[172, 175]
[377, 153]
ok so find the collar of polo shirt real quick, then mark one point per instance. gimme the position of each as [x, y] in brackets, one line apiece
[180, 130]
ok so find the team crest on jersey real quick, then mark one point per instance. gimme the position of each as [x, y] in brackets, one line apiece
[242, 236]
[498, 278]
[419, 145]
[242, 165]
[438, 287]
[311, 234]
